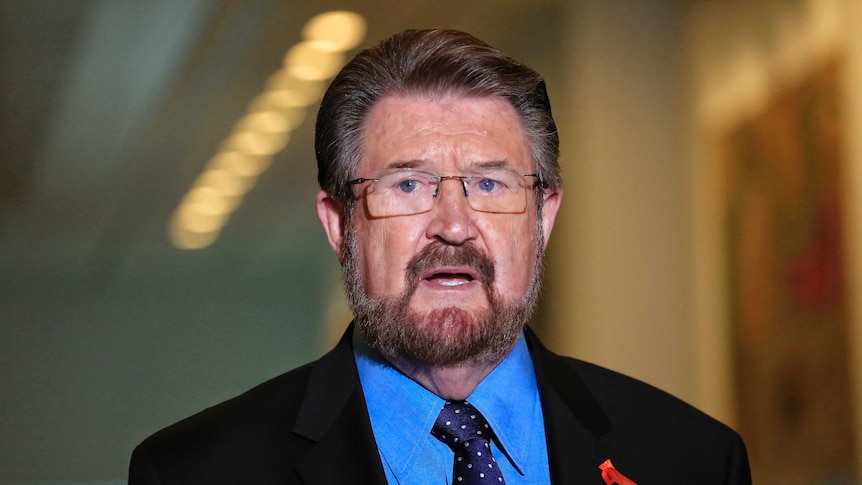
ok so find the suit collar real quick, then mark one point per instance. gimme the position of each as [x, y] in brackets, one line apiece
[574, 420]
[332, 381]
[559, 377]
[333, 415]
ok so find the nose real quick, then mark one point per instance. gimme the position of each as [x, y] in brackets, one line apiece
[452, 217]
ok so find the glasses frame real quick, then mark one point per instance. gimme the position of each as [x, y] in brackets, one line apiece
[540, 183]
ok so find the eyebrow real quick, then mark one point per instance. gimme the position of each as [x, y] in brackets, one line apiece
[419, 163]
[492, 164]
[415, 163]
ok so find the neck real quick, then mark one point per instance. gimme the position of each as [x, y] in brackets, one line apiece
[453, 383]
[450, 382]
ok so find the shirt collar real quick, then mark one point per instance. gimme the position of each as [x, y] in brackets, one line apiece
[507, 398]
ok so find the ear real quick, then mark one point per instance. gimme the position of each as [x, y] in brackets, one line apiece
[553, 198]
[331, 215]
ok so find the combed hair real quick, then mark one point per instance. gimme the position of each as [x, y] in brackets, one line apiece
[428, 63]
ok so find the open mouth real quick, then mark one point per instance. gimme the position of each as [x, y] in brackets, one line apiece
[450, 277]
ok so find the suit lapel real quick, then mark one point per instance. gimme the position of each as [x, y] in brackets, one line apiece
[574, 421]
[334, 416]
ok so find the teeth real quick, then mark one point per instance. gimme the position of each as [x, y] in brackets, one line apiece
[452, 282]
[450, 279]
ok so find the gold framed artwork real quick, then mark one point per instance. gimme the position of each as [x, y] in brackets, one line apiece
[783, 217]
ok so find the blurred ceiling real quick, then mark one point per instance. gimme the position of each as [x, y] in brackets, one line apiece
[111, 108]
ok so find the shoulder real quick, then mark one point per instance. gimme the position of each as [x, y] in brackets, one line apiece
[658, 436]
[266, 434]
[611, 400]
[267, 406]
[631, 402]
[650, 435]
[253, 428]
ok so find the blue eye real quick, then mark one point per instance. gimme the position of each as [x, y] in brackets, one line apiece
[408, 185]
[487, 185]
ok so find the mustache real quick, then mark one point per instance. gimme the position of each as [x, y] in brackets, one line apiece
[439, 254]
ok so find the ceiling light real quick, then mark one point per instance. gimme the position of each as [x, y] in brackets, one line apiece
[224, 182]
[310, 61]
[185, 239]
[258, 143]
[214, 201]
[336, 31]
[265, 129]
[268, 121]
[282, 102]
[241, 165]
[200, 218]
[299, 92]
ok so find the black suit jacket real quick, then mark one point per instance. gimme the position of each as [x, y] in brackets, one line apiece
[311, 426]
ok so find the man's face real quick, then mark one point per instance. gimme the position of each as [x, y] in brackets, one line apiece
[447, 273]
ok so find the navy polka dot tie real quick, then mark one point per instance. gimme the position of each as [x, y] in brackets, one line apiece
[466, 431]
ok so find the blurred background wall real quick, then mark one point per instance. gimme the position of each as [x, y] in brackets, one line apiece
[110, 110]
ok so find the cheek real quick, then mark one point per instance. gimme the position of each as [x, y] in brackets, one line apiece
[385, 249]
[513, 248]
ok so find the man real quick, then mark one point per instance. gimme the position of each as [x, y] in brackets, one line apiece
[437, 160]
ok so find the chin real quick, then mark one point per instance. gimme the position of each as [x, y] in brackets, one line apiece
[445, 337]
[451, 327]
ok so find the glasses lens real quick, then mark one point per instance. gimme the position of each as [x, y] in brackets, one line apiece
[406, 192]
[498, 190]
[402, 192]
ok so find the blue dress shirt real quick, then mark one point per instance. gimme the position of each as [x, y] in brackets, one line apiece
[402, 413]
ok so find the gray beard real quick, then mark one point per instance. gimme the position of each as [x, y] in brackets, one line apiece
[442, 337]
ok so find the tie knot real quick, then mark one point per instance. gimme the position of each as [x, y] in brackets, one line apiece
[459, 423]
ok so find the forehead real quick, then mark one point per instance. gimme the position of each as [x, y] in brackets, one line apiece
[445, 134]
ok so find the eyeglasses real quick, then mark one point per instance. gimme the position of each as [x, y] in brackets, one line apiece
[403, 192]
